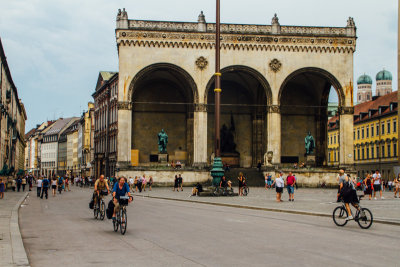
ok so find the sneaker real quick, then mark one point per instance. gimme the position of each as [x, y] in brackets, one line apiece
[382, 198]
[349, 218]
[375, 198]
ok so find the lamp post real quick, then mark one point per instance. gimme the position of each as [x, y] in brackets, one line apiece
[217, 171]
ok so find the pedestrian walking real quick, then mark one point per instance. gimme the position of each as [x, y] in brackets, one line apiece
[39, 187]
[30, 182]
[131, 183]
[150, 183]
[135, 182]
[176, 183]
[279, 184]
[377, 184]
[368, 186]
[23, 183]
[54, 186]
[397, 186]
[2, 188]
[45, 188]
[60, 183]
[13, 184]
[19, 181]
[139, 184]
[180, 182]
[241, 180]
[290, 181]
[66, 184]
[390, 185]
[144, 183]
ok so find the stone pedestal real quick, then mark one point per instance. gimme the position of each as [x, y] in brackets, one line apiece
[310, 160]
[163, 158]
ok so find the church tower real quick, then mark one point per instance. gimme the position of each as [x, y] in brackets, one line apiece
[383, 83]
[364, 89]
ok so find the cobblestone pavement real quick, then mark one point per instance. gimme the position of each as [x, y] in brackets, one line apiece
[61, 231]
[11, 246]
[306, 200]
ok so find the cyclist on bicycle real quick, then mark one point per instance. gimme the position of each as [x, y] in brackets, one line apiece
[121, 188]
[99, 186]
[349, 195]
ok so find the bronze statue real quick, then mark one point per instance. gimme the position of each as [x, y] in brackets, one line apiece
[162, 142]
[309, 144]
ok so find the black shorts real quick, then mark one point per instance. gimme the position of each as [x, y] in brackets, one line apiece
[377, 187]
[350, 197]
[53, 186]
[279, 189]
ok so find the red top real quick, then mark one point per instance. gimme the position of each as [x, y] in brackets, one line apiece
[290, 180]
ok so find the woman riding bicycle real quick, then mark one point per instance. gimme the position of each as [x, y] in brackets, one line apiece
[120, 189]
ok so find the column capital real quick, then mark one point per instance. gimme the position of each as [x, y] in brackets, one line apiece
[274, 109]
[124, 105]
[346, 110]
[200, 107]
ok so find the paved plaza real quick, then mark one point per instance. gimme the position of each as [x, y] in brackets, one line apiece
[61, 231]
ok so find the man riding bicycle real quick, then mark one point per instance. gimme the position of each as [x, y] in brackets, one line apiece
[349, 195]
[100, 186]
[120, 189]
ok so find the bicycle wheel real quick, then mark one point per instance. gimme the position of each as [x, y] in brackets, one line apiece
[115, 222]
[365, 218]
[124, 222]
[245, 191]
[340, 216]
[95, 212]
[102, 210]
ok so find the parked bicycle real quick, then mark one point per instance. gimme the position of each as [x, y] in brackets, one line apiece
[246, 190]
[363, 216]
[121, 219]
[100, 207]
[223, 191]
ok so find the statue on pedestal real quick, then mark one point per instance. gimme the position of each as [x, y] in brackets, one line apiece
[309, 144]
[162, 142]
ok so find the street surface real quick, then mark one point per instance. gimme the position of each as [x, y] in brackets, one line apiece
[61, 231]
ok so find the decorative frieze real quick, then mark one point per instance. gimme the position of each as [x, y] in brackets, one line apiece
[124, 105]
[274, 109]
[346, 110]
[200, 107]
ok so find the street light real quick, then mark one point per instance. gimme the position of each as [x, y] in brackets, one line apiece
[217, 171]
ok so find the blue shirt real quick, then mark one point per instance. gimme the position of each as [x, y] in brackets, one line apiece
[120, 192]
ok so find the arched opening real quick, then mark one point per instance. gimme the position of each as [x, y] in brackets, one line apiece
[244, 99]
[163, 97]
[304, 98]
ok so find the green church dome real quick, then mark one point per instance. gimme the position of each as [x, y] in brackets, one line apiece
[384, 75]
[364, 79]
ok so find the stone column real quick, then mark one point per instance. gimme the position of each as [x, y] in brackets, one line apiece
[346, 157]
[124, 142]
[274, 133]
[200, 136]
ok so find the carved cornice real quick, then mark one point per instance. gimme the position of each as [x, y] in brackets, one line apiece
[274, 109]
[200, 107]
[238, 42]
[346, 110]
[124, 105]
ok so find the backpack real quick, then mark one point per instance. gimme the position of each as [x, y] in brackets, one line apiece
[110, 209]
[60, 181]
[45, 183]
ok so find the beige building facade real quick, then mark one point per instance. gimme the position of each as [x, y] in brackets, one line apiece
[275, 87]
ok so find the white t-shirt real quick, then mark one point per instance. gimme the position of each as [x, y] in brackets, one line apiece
[53, 182]
[279, 182]
[131, 181]
[378, 176]
[39, 183]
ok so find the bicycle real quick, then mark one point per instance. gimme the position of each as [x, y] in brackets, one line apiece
[224, 191]
[121, 219]
[100, 206]
[363, 216]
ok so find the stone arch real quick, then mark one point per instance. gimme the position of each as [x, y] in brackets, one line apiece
[324, 73]
[166, 66]
[257, 75]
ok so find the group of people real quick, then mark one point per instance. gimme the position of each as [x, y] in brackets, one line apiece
[58, 183]
[279, 184]
[373, 183]
[178, 183]
[140, 183]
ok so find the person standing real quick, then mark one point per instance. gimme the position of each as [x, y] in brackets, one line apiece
[176, 183]
[180, 182]
[279, 184]
[45, 187]
[66, 184]
[144, 182]
[131, 183]
[150, 182]
[13, 184]
[30, 182]
[377, 183]
[54, 186]
[396, 186]
[290, 181]
[2, 188]
[241, 183]
[139, 183]
[23, 183]
[135, 182]
[19, 182]
[368, 186]
[39, 187]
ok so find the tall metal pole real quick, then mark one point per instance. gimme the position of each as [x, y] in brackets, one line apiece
[217, 171]
[217, 89]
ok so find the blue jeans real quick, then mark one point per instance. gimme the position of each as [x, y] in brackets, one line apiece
[290, 189]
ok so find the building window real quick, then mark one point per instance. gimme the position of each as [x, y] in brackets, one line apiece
[362, 153]
[358, 154]
[377, 129]
[372, 153]
[394, 149]
[362, 133]
[358, 134]
[329, 157]
[331, 140]
[394, 126]
[388, 150]
[354, 153]
[367, 133]
[372, 130]
[354, 135]
[377, 152]
[388, 126]
[383, 151]
[383, 128]
[334, 139]
[367, 153]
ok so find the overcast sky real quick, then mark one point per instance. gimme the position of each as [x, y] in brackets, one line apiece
[55, 49]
